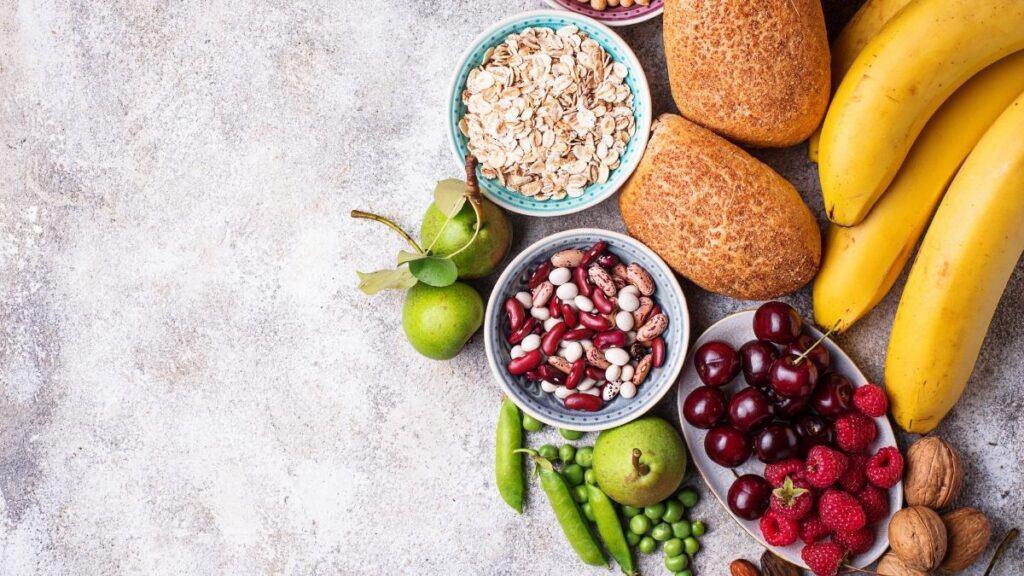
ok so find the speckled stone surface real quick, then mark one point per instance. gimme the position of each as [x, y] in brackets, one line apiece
[189, 381]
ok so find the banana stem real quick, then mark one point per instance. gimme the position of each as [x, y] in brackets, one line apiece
[390, 224]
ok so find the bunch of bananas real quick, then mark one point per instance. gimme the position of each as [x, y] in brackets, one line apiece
[929, 113]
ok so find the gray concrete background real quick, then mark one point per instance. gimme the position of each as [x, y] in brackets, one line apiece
[191, 383]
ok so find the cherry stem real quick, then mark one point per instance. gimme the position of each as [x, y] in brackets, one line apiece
[641, 469]
[390, 224]
[1004, 545]
[475, 200]
[803, 355]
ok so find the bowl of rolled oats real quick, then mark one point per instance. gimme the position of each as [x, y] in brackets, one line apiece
[556, 108]
[613, 12]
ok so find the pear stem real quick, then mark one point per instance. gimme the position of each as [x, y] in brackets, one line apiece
[390, 224]
[803, 355]
[641, 469]
[473, 195]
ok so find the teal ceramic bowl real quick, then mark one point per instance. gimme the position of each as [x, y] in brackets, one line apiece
[635, 79]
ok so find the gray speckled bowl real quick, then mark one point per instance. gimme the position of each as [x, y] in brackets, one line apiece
[545, 407]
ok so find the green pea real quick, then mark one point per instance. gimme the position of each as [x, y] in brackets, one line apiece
[590, 478]
[548, 452]
[676, 563]
[531, 424]
[588, 512]
[699, 528]
[640, 524]
[684, 573]
[567, 453]
[691, 545]
[630, 511]
[647, 545]
[673, 547]
[633, 538]
[682, 529]
[661, 532]
[579, 494]
[585, 456]
[655, 511]
[673, 511]
[688, 497]
[573, 474]
[570, 434]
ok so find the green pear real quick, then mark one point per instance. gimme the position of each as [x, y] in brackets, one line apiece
[640, 463]
[439, 321]
[484, 254]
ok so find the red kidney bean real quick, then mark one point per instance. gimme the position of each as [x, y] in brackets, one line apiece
[595, 373]
[579, 367]
[570, 317]
[533, 375]
[585, 402]
[610, 338]
[607, 260]
[654, 311]
[539, 275]
[579, 277]
[658, 351]
[517, 335]
[551, 374]
[555, 307]
[578, 334]
[550, 341]
[594, 322]
[601, 302]
[593, 252]
[516, 314]
[524, 364]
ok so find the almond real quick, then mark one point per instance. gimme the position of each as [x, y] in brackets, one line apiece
[742, 567]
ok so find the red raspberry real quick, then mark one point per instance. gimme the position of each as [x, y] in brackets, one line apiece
[885, 469]
[824, 466]
[870, 400]
[776, 473]
[792, 500]
[875, 502]
[823, 559]
[854, 432]
[777, 530]
[841, 511]
[812, 529]
[855, 476]
[857, 542]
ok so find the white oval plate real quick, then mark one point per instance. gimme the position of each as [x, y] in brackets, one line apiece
[736, 330]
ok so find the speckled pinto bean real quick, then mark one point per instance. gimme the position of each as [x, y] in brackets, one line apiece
[570, 258]
[639, 277]
[560, 364]
[602, 279]
[653, 328]
[595, 357]
[642, 369]
[542, 293]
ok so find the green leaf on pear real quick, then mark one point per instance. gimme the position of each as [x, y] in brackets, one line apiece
[435, 271]
[450, 196]
[395, 279]
[406, 256]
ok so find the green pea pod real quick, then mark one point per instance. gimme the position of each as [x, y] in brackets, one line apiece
[568, 513]
[610, 529]
[508, 463]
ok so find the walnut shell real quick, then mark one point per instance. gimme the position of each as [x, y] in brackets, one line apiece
[968, 531]
[891, 565]
[933, 475]
[918, 536]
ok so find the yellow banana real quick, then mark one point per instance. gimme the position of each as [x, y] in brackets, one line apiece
[854, 37]
[862, 262]
[901, 77]
[965, 261]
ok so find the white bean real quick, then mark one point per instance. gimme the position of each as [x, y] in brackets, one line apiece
[540, 313]
[518, 351]
[585, 304]
[627, 372]
[612, 373]
[562, 392]
[559, 276]
[525, 298]
[616, 356]
[586, 384]
[567, 291]
[592, 392]
[531, 342]
[548, 386]
[550, 323]
[627, 390]
[624, 321]
[629, 288]
[628, 301]
[572, 351]
[587, 344]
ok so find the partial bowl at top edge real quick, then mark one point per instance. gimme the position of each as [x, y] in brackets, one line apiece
[616, 47]
[613, 15]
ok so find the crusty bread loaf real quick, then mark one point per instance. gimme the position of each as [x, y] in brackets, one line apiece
[755, 72]
[718, 216]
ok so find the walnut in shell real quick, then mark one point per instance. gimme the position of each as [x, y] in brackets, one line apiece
[934, 475]
[891, 565]
[967, 531]
[918, 536]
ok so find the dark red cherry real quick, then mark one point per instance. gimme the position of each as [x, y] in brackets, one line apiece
[819, 354]
[704, 407]
[813, 431]
[717, 363]
[777, 322]
[789, 407]
[791, 376]
[748, 409]
[756, 357]
[749, 496]
[833, 396]
[776, 441]
[727, 446]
